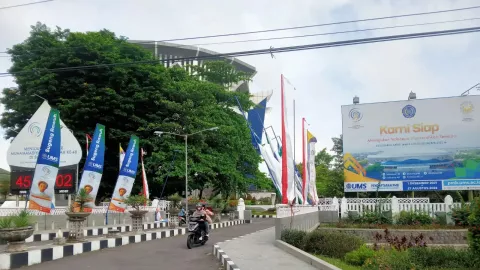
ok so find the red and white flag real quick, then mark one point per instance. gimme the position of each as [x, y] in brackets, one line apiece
[288, 170]
[87, 139]
[145, 191]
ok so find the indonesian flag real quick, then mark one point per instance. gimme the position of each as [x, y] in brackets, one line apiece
[288, 169]
[122, 156]
[144, 177]
[87, 139]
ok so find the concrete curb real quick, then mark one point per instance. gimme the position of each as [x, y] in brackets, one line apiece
[100, 230]
[226, 261]
[304, 256]
[54, 252]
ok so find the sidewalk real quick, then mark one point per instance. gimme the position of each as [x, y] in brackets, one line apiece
[257, 251]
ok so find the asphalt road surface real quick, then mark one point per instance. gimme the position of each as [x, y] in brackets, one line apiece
[167, 253]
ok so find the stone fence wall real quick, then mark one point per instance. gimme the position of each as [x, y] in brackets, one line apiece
[304, 222]
[436, 237]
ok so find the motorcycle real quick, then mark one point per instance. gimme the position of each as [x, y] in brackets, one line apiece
[195, 232]
[181, 220]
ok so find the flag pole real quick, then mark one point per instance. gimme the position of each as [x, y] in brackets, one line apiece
[304, 165]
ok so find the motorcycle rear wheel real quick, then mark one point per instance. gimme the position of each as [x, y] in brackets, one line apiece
[190, 241]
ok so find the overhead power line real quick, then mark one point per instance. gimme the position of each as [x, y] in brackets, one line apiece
[262, 51]
[337, 32]
[293, 28]
[280, 38]
[323, 24]
[26, 4]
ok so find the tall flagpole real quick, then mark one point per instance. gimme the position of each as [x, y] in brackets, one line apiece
[284, 148]
[304, 164]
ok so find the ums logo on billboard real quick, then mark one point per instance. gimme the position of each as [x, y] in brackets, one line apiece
[355, 186]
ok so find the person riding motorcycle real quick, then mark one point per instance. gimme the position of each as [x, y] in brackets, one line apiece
[181, 215]
[200, 212]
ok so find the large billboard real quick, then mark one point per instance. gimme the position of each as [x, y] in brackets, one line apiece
[427, 144]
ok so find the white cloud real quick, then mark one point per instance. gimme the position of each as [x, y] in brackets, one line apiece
[325, 79]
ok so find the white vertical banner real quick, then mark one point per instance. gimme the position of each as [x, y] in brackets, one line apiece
[288, 167]
[312, 175]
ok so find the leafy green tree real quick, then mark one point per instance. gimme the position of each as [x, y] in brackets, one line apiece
[133, 99]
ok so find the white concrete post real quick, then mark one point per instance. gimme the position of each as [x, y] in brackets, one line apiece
[448, 204]
[240, 209]
[344, 206]
[93, 222]
[335, 204]
[395, 206]
[53, 226]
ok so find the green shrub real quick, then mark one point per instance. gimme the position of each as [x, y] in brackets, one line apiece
[447, 258]
[22, 219]
[295, 238]
[389, 259]
[414, 218]
[474, 227]
[375, 217]
[332, 244]
[266, 201]
[460, 215]
[359, 256]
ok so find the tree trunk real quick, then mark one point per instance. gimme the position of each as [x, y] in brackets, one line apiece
[200, 194]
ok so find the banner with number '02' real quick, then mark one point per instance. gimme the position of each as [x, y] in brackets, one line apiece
[93, 169]
[46, 169]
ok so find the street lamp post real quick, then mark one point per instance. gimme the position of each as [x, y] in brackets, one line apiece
[185, 137]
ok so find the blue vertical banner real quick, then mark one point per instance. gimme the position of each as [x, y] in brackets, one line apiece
[93, 169]
[256, 117]
[46, 169]
[126, 177]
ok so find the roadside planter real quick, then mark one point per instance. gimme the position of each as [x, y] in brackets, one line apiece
[77, 216]
[137, 220]
[77, 223]
[137, 214]
[14, 230]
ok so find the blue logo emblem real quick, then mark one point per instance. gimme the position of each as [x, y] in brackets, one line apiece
[355, 115]
[409, 111]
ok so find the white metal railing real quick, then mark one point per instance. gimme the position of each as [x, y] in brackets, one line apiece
[62, 210]
[284, 210]
[396, 205]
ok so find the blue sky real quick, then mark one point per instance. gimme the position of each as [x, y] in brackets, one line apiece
[325, 79]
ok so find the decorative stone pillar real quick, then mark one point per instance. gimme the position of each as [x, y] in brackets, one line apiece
[240, 208]
[137, 220]
[77, 223]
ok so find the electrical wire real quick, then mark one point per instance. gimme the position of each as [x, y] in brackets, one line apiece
[26, 4]
[303, 36]
[263, 51]
[324, 24]
[336, 33]
[298, 27]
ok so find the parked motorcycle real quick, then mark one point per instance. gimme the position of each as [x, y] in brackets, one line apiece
[181, 220]
[196, 231]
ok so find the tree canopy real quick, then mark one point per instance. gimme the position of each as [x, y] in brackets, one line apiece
[135, 99]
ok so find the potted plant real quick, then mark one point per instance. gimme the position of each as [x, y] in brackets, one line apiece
[15, 229]
[77, 215]
[175, 200]
[218, 204]
[137, 202]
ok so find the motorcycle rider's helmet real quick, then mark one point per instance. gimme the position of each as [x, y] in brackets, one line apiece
[199, 206]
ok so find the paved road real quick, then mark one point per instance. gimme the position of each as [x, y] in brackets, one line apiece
[168, 253]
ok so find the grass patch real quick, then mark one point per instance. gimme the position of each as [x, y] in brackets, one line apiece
[338, 263]
[266, 213]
